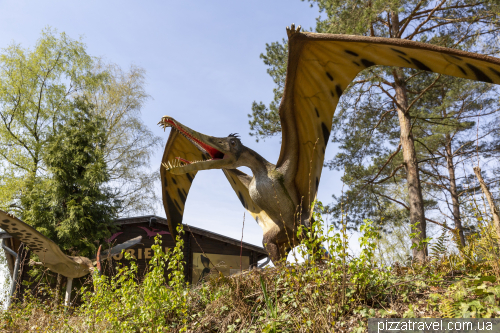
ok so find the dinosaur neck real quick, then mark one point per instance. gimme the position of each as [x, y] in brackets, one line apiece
[255, 162]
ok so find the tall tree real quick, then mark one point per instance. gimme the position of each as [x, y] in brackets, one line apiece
[462, 22]
[447, 135]
[454, 122]
[36, 90]
[74, 207]
[130, 144]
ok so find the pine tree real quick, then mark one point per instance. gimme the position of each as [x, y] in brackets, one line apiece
[74, 207]
[384, 114]
[454, 123]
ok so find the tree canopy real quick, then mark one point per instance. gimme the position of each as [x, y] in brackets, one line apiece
[74, 206]
[57, 90]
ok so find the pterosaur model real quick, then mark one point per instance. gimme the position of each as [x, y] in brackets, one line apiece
[320, 67]
[153, 232]
[49, 253]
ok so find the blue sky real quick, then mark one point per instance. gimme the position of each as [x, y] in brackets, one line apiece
[203, 68]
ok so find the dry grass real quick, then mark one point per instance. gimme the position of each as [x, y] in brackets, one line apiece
[338, 294]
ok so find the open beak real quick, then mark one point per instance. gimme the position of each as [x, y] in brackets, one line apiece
[217, 157]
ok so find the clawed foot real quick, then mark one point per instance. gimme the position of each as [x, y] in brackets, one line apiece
[292, 30]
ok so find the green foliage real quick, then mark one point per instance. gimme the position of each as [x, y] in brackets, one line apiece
[129, 143]
[155, 305]
[354, 17]
[372, 18]
[74, 207]
[439, 248]
[421, 243]
[335, 292]
[36, 89]
[272, 308]
[461, 299]
[266, 121]
[74, 152]
[393, 246]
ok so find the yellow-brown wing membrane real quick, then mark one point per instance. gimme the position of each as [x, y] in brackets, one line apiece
[239, 182]
[321, 66]
[175, 188]
[49, 253]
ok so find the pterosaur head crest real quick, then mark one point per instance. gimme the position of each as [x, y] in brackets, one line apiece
[218, 153]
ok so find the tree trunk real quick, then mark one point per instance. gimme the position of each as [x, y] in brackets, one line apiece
[489, 197]
[453, 191]
[417, 215]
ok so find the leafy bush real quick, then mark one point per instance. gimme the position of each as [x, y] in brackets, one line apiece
[124, 305]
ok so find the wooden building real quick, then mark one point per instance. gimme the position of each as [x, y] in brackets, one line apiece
[203, 250]
[221, 251]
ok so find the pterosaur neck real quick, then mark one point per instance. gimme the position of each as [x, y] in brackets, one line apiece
[256, 163]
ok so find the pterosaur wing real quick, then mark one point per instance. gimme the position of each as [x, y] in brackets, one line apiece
[175, 188]
[118, 248]
[321, 66]
[239, 182]
[49, 253]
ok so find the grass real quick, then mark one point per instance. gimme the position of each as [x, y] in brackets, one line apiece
[338, 293]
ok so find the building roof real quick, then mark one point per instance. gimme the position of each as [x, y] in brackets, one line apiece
[5, 234]
[162, 220]
[194, 230]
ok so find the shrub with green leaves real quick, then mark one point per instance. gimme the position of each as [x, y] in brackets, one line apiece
[154, 305]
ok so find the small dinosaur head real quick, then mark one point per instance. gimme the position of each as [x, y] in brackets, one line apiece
[219, 152]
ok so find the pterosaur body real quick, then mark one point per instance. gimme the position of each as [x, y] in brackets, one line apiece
[320, 67]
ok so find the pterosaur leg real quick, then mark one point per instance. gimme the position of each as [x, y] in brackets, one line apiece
[273, 250]
[69, 285]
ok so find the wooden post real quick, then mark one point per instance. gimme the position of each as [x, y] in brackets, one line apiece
[58, 286]
[69, 284]
[189, 257]
[489, 197]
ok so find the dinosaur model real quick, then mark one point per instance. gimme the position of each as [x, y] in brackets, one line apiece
[51, 256]
[320, 67]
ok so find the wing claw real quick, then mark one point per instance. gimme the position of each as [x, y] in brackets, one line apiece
[290, 31]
